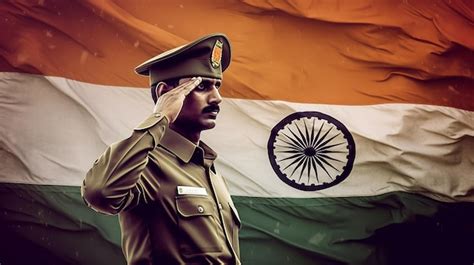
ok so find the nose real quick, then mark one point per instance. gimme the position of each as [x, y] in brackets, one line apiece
[215, 96]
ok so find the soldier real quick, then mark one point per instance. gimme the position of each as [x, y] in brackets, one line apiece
[173, 207]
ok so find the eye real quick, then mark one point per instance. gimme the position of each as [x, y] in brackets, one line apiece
[201, 86]
[207, 85]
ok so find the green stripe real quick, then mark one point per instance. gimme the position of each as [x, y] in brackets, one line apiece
[53, 226]
[394, 228]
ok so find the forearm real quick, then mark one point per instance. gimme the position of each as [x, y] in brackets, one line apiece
[113, 182]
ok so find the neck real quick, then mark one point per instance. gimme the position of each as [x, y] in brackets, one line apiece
[191, 135]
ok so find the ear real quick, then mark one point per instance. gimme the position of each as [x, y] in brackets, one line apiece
[159, 89]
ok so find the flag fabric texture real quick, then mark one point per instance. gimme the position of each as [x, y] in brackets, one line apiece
[346, 134]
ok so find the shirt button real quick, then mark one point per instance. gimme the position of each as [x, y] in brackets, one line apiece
[200, 209]
[157, 115]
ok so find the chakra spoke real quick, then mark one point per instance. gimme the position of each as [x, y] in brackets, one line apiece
[295, 143]
[327, 147]
[331, 158]
[297, 138]
[305, 162]
[303, 139]
[323, 137]
[309, 168]
[323, 167]
[288, 147]
[332, 152]
[288, 151]
[317, 135]
[298, 165]
[312, 134]
[327, 141]
[290, 144]
[315, 167]
[290, 157]
[294, 162]
[308, 140]
[322, 159]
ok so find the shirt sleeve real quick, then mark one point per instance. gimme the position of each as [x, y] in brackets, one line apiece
[114, 182]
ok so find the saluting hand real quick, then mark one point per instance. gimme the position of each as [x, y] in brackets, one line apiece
[171, 102]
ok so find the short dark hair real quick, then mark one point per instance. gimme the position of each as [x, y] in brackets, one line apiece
[174, 82]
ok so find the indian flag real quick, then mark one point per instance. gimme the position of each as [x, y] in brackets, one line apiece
[346, 134]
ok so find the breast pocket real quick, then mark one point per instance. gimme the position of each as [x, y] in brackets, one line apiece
[199, 231]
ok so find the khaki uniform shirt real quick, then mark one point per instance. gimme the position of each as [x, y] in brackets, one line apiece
[173, 207]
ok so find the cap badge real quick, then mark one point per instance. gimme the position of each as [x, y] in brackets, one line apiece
[216, 55]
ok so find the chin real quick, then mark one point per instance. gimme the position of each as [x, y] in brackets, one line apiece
[207, 125]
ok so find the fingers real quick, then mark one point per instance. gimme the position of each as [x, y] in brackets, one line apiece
[188, 86]
[193, 85]
[170, 102]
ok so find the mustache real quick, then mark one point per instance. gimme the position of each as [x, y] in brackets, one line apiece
[211, 108]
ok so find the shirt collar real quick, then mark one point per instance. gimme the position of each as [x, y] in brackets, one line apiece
[183, 148]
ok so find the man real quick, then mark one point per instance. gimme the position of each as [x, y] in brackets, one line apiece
[174, 208]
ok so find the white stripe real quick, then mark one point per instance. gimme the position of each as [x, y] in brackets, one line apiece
[52, 129]
[400, 147]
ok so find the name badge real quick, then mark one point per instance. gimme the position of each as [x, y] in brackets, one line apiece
[188, 190]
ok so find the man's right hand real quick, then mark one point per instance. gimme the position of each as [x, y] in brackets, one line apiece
[171, 102]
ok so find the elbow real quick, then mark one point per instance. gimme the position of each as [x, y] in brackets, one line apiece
[96, 199]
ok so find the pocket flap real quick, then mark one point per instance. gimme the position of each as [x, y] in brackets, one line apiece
[188, 206]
